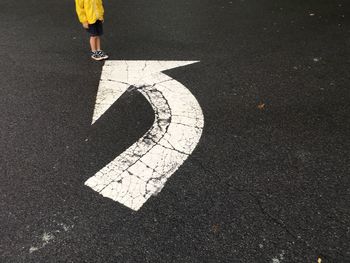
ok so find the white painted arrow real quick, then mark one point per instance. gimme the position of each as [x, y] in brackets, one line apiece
[142, 170]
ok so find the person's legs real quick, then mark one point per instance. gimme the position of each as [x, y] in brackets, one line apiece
[93, 43]
[102, 54]
[98, 43]
[95, 53]
[96, 30]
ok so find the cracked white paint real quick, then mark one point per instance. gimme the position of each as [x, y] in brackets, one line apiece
[48, 237]
[142, 170]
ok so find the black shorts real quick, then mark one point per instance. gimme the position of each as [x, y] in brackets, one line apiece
[95, 29]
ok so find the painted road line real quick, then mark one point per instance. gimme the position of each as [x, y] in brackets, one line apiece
[143, 169]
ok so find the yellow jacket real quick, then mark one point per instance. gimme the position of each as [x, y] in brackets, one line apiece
[89, 10]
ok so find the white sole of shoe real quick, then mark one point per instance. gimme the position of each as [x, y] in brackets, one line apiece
[97, 59]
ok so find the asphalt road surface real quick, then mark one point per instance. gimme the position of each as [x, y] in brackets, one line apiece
[269, 179]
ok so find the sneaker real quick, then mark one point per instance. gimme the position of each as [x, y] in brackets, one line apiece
[95, 56]
[102, 54]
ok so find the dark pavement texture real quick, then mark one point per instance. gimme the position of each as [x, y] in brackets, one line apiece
[269, 180]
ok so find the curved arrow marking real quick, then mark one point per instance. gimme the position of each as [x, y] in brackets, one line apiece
[142, 170]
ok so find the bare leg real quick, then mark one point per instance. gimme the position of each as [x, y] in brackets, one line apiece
[98, 43]
[93, 43]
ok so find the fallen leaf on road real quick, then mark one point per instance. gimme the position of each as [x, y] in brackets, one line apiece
[215, 228]
[261, 106]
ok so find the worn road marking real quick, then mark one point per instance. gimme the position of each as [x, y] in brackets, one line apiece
[142, 170]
